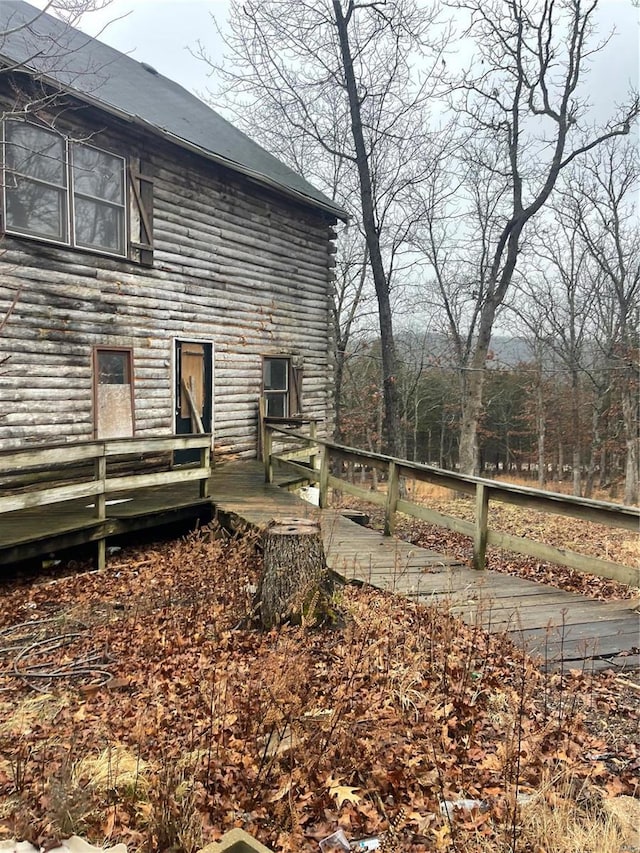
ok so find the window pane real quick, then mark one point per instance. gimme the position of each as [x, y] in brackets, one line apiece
[36, 209]
[35, 152]
[276, 405]
[113, 367]
[99, 226]
[97, 174]
[276, 371]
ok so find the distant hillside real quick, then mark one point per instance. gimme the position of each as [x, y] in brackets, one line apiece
[507, 351]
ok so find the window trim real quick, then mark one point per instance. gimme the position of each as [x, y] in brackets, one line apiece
[69, 195]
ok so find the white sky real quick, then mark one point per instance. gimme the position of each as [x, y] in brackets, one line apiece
[160, 32]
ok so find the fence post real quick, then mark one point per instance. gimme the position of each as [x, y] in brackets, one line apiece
[100, 475]
[480, 535]
[267, 447]
[205, 464]
[323, 483]
[313, 434]
[262, 411]
[393, 492]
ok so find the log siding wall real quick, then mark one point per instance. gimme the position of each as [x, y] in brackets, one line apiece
[234, 264]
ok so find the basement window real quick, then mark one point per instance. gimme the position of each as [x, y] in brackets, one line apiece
[63, 191]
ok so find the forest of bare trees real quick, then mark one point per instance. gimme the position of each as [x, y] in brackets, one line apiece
[487, 199]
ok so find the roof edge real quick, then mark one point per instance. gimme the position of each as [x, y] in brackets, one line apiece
[255, 176]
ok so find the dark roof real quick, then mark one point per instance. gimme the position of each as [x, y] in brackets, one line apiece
[115, 82]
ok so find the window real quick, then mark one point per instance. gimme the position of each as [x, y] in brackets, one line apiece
[282, 386]
[275, 381]
[113, 392]
[114, 367]
[63, 191]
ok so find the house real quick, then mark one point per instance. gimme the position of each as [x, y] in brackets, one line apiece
[157, 267]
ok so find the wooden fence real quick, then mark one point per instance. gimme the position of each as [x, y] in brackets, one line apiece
[318, 461]
[66, 472]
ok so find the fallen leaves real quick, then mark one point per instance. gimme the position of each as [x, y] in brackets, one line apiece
[289, 734]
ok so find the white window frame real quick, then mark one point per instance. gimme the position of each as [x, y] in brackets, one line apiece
[71, 194]
[278, 392]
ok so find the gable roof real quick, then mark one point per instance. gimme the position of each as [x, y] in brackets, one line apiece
[95, 73]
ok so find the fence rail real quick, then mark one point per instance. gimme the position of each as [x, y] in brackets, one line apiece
[92, 477]
[483, 491]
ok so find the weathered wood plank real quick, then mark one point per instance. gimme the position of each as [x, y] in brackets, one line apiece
[561, 556]
[49, 496]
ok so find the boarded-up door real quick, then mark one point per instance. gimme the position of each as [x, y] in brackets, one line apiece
[193, 369]
[113, 393]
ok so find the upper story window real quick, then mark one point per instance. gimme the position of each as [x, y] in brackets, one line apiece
[63, 191]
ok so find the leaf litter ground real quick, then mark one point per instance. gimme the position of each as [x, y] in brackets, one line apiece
[136, 706]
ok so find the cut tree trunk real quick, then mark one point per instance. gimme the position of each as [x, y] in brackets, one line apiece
[295, 583]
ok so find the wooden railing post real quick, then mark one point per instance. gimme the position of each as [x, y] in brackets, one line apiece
[205, 464]
[323, 484]
[100, 474]
[313, 434]
[262, 409]
[480, 534]
[267, 447]
[393, 492]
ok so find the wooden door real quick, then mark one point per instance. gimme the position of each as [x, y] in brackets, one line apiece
[193, 368]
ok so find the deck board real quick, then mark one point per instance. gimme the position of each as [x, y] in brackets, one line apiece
[567, 629]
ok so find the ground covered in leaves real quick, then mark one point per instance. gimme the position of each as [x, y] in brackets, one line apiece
[137, 705]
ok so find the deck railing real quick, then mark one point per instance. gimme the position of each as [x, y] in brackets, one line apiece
[323, 460]
[55, 474]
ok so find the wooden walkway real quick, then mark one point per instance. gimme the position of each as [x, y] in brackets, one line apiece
[565, 629]
[568, 630]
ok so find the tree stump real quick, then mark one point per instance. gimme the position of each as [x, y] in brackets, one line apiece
[295, 583]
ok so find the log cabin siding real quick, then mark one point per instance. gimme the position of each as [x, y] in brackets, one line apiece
[234, 264]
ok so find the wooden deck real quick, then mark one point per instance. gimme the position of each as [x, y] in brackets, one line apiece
[566, 629]
[29, 533]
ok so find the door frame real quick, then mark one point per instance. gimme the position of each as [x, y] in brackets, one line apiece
[174, 377]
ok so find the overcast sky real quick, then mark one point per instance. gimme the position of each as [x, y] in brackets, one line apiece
[160, 32]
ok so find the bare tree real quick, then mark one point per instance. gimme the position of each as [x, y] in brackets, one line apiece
[556, 304]
[601, 202]
[337, 78]
[524, 121]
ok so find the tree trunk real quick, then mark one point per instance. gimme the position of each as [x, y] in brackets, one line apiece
[632, 441]
[576, 427]
[391, 425]
[471, 412]
[596, 444]
[295, 584]
[542, 432]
